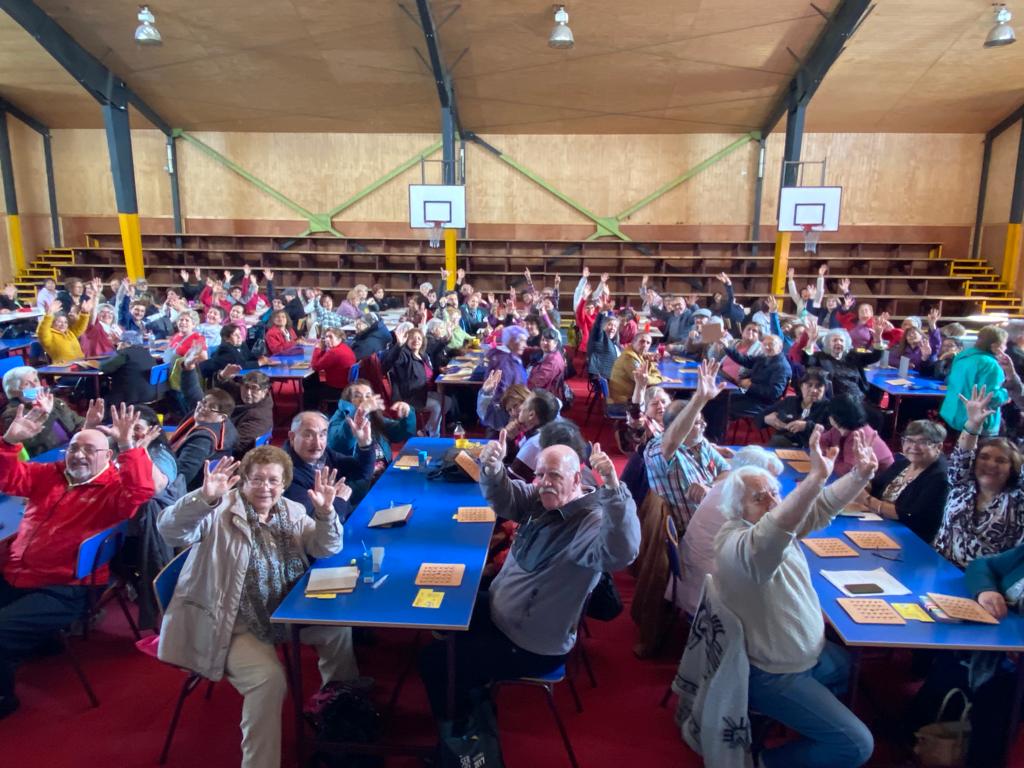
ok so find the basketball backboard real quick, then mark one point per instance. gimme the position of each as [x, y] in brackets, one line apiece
[815, 207]
[443, 204]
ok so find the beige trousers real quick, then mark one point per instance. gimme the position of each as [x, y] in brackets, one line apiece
[256, 672]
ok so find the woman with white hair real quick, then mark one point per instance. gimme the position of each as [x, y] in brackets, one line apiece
[103, 333]
[696, 550]
[844, 365]
[764, 579]
[22, 388]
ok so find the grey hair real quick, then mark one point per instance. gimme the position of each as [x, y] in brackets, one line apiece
[297, 420]
[756, 456]
[735, 488]
[426, 287]
[826, 342]
[190, 313]
[106, 307]
[651, 391]
[436, 322]
[914, 321]
[13, 377]
[930, 430]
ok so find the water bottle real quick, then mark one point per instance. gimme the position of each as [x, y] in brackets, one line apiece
[460, 435]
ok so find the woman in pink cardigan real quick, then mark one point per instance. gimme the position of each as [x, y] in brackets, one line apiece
[848, 418]
[549, 372]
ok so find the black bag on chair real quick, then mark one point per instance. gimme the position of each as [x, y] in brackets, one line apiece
[477, 745]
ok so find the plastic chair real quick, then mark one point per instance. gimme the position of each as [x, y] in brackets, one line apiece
[94, 553]
[7, 363]
[611, 412]
[547, 684]
[353, 373]
[264, 439]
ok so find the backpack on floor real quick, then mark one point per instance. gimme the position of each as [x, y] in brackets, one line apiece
[341, 711]
[476, 743]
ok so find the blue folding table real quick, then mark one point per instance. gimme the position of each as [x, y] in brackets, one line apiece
[430, 535]
[919, 386]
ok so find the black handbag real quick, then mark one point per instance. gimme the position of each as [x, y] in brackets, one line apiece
[449, 470]
[477, 744]
[605, 602]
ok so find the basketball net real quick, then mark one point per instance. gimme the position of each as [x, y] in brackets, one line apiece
[436, 233]
[811, 236]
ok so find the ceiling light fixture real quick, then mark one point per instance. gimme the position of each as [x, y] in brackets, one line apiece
[561, 35]
[147, 33]
[1002, 33]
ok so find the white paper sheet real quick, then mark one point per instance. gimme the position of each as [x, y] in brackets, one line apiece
[879, 576]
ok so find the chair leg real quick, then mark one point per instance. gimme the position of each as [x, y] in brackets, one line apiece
[78, 671]
[209, 691]
[550, 695]
[667, 696]
[575, 694]
[189, 685]
[585, 659]
[123, 602]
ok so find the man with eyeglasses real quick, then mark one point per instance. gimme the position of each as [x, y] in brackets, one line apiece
[307, 447]
[67, 501]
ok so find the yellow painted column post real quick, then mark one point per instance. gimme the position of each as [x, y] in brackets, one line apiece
[1011, 255]
[14, 243]
[131, 241]
[451, 262]
[780, 264]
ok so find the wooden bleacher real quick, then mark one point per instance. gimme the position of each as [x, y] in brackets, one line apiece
[895, 276]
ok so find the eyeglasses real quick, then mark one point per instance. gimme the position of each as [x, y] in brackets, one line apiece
[917, 442]
[759, 496]
[85, 450]
[266, 482]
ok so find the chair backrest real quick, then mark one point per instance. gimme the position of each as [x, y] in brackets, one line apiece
[165, 581]
[353, 373]
[672, 546]
[10, 362]
[158, 374]
[602, 384]
[264, 438]
[99, 549]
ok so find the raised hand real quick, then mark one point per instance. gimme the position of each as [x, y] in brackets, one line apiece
[401, 409]
[723, 278]
[94, 415]
[844, 285]
[444, 273]
[359, 423]
[822, 462]
[184, 275]
[229, 371]
[773, 303]
[865, 462]
[557, 280]
[707, 387]
[491, 382]
[492, 456]
[198, 273]
[151, 434]
[933, 316]
[791, 273]
[811, 325]
[122, 425]
[823, 270]
[586, 272]
[526, 274]
[246, 270]
[227, 274]
[268, 275]
[401, 334]
[491, 301]
[25, 426]
[977, 408]
[602, 465]
[218, 479]
[604, 278]
[326, 488]
[53, 308]
[642, 377]
[44, 401]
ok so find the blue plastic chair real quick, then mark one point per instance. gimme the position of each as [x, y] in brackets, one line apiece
[264, 438]
[159, 374]
[547, 684]
[7, 363]
[353, 373]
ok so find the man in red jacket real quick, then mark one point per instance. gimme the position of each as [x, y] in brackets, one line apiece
[68, 501]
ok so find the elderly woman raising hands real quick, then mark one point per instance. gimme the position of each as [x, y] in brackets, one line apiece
[763, 577]
[250, 546]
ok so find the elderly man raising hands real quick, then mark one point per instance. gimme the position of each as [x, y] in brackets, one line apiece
[568, 534]
[68, 501]
[764, 579]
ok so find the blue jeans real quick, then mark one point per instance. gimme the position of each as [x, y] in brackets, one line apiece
[806, 703]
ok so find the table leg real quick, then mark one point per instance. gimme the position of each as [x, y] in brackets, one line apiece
[896, 400]
[854, 683]
[450, 695]
[1018, 693]
[441, 423]
[294, 651]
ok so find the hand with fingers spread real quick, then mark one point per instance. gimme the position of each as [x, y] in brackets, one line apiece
[94, 416]
[359, 423]
[122, 426]
[641, 377]
[822, 462]
[218, 479]
[492, 457]
[268, 275]
[184, 275]
[865, 462]
[44, 401]
[773, 304]
[25, 426]
[326, 487]
[151, 434]
[198, 273]
[707, 387]
[490, 384]
[791, 273]
[724, 278]
[844, 285]
[229, 371]
[602, 464]
[977, 409]
[401, 409]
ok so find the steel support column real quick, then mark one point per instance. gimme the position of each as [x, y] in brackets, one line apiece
[122, 168]
[51, 189]
[755, 226]
[1011, 250]
[979, 216]
[172, 172]
[790, 158]
[17, 251]
[451, 263]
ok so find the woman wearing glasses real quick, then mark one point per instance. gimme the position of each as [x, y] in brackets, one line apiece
[250, 546]
[913, 489]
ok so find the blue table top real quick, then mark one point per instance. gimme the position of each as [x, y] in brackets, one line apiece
[19, 342]
[686, 373]
[431, 535]
[283, 366]
[12, 508]
[919, 387]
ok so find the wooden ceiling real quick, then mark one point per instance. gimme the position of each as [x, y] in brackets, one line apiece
[659, 66]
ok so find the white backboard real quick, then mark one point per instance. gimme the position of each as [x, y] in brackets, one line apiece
[814, 206]
[442, 203]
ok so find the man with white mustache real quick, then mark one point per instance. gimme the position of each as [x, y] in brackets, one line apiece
[68, 501]
[568, 534]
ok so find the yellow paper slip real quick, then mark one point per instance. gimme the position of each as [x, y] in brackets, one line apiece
[428, 598]
[912, 612]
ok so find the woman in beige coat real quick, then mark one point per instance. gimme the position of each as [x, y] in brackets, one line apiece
[250, 546]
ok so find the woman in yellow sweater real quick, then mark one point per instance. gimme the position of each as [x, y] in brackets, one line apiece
[634, 357]
[58, 333]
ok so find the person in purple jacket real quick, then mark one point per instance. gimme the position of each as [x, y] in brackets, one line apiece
[507, 357]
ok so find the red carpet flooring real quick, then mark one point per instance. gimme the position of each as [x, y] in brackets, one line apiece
[621, 724]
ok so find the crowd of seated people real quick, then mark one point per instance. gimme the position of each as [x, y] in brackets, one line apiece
[565, 514]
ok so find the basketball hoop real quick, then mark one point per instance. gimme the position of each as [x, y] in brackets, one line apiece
[811, 235]
[435, 234]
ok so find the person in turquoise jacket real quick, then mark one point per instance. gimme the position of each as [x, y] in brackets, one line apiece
[977, 367]
[386, 430]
